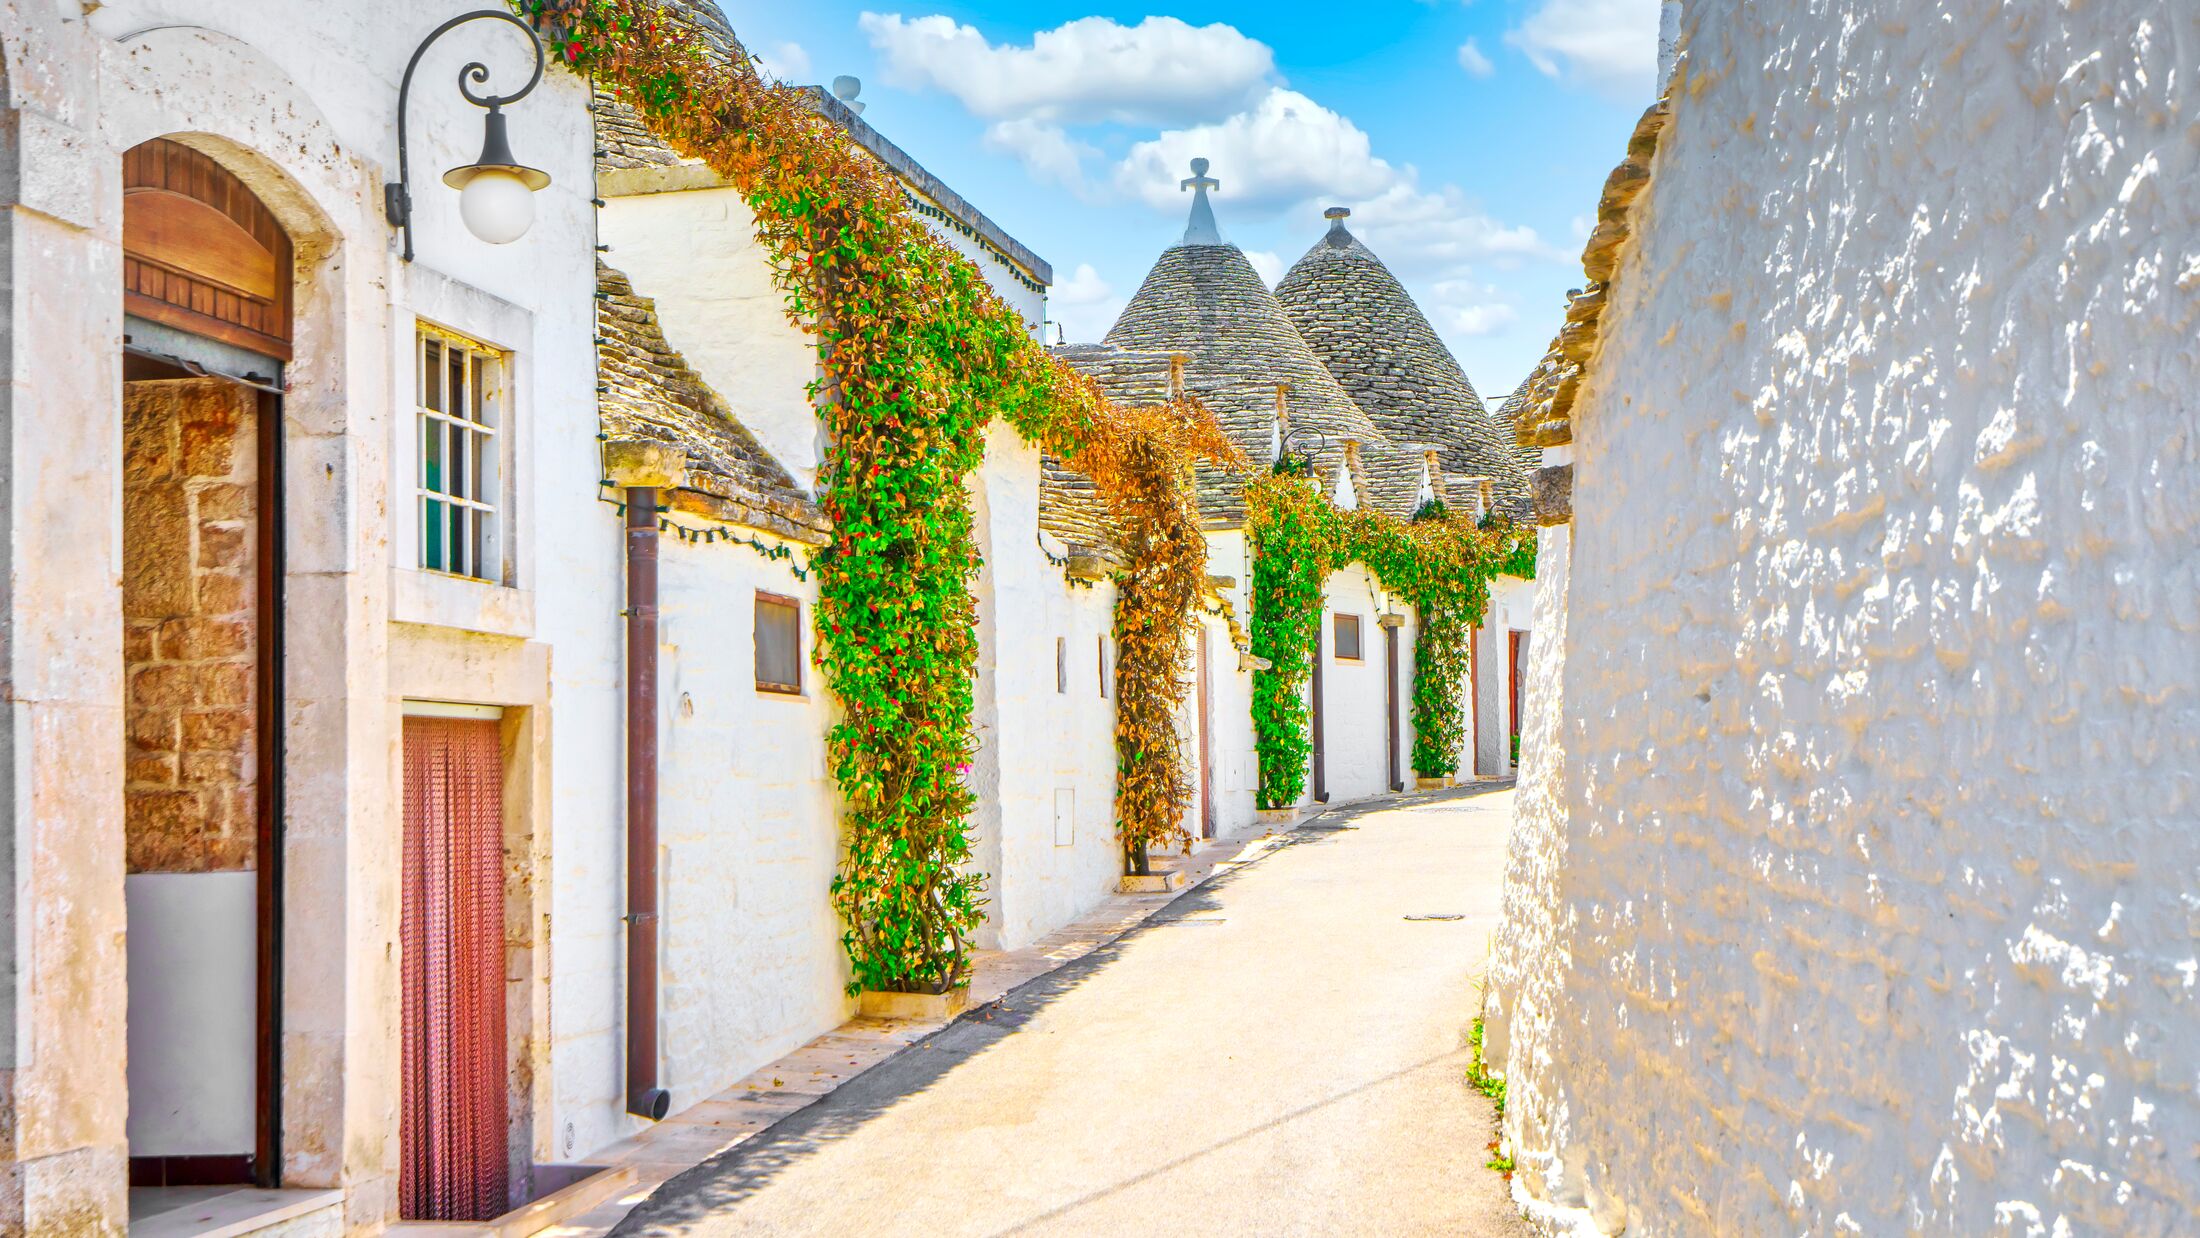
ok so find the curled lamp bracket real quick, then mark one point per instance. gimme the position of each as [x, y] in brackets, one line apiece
[397, 196]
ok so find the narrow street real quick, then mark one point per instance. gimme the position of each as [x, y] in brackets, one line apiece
[1280, 1051]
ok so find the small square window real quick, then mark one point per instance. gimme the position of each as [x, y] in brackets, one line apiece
[1347, 629]
[778, 644]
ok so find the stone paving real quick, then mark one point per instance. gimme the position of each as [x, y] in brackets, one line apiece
[1278, 1050]
[798, 1080]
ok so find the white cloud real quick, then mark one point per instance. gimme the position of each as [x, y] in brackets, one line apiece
[1084, 305]
[787, 62]
[1161, 71]
[1481, 319]
[1608, 45]
[1473, 61]
[1285, 150]
[1046, 151]
[1268, 264]
[1083, 287]
[1442, 228]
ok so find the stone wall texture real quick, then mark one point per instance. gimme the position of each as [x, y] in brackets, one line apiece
[1854, 884]
[188, 485]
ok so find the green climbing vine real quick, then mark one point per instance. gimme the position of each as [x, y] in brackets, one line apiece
[917, 353]
[1439, 563]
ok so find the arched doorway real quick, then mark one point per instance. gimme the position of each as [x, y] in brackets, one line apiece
[207, 288]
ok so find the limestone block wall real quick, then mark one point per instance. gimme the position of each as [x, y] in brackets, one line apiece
[1853, 883]
[189, 636]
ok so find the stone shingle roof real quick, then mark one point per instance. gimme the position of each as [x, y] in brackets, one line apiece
[651, 393]
[1207, 302]
[620, 134]
[1070, 507]
[1364, 326]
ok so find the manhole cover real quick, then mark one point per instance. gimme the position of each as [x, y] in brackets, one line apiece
[1437, 915]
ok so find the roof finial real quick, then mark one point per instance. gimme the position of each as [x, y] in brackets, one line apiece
[1337, 236]
[845, 89]
[1200, 229]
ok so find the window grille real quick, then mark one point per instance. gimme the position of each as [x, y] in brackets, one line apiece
[462, 410]
[778, 644]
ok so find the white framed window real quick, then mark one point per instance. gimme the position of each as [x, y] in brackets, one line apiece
[463, 404]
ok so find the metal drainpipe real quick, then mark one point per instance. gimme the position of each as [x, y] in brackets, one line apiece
[644, 1099]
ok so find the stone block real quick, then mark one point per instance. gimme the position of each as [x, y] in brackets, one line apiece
[1553, 491]
[152, 730]
[212, 769]
[226, 684]
[164, 687]
[224, 592]
[225, 501]
[203, 640]
[223, 545]
[217, 730]
[639, 462]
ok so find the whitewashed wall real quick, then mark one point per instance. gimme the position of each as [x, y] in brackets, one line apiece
[1354, 732]
[1855, 888]
[1235, 759]
[748, 831]
[1037, 742]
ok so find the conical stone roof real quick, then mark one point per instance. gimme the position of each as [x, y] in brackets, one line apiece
[1207, 302]
[1365, 328]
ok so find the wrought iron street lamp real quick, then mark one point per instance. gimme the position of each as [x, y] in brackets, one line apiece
[496, 192]
[1302, 444]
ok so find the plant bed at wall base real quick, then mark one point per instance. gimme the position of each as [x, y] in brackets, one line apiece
[916, 354]
[913, 1007]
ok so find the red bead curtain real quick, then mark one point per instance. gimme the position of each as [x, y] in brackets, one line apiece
[454, 1159]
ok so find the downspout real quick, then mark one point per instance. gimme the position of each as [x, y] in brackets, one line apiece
[642, 469]
[1321, 763]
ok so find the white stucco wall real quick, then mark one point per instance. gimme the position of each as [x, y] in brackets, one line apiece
[1036, 741]
[1354, 732]
[748, 832]
[1853, 886]
[1236, 763]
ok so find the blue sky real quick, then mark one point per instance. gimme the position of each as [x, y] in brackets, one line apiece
[1470, 139]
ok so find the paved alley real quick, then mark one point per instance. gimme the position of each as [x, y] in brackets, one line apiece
[1280, 1051]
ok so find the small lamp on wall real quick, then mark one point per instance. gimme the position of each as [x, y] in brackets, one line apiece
[496, 192]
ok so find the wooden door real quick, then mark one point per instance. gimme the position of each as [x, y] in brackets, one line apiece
[453, 1161]
[1516, 664]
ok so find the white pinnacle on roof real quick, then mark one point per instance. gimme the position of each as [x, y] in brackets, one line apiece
[1200, 229]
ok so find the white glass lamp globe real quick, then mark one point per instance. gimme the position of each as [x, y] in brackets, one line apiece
[497, 205]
